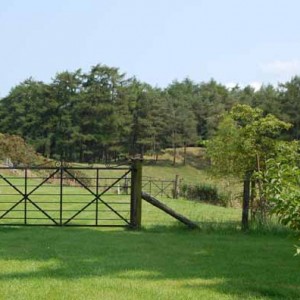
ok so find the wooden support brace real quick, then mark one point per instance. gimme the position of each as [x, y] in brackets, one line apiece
[169, 211]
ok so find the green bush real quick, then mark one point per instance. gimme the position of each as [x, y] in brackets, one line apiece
[14, 148]
[204, 192]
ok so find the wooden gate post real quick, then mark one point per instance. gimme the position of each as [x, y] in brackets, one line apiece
[136, 193]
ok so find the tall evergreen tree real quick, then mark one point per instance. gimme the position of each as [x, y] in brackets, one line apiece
[290, 105]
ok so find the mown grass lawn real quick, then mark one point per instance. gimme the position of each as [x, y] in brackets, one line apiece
[65, 263]
[162, 261]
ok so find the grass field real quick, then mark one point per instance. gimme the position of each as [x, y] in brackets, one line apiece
[164, 260]
[44, 201]
[194, 172]
[156, 263]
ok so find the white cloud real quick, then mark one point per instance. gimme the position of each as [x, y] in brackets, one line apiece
[287, 67]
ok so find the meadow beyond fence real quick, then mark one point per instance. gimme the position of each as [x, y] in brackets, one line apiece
[70, 196]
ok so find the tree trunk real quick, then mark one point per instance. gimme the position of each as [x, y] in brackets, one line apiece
[262, 201]
[184, 154]
[246, 201]
[81, 153]
[252, 199]
[174, 149]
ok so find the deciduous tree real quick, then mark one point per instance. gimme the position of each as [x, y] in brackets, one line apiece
[244, 141]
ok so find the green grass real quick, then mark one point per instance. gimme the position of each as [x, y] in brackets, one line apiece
[194, 172]
[165, 263]
[202, 213]
[164, 260]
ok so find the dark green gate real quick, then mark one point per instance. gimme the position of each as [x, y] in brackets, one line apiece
[71, 196]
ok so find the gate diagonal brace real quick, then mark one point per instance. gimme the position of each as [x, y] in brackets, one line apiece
[44, 181]
[165, 188]
[10, 184]
[41, 210]
[25, 196]
[17, 203]
[97, 197]
[12, 208]
[162, 190]
[36, 188]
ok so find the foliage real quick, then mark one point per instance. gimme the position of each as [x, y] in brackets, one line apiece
[81, 176]
[97, 115]
[281, 181]
[289, 105]
[101, 114]
[244, 136]
[245, 140]
[204, 192]
[14, 148]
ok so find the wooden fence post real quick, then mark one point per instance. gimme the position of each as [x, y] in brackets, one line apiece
[136, 193]
[176, 187]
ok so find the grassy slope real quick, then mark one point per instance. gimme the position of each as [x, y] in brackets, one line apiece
[194, 172]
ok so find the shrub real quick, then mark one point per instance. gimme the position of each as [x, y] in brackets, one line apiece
[69, 176]
[14, 147]
[204, 192]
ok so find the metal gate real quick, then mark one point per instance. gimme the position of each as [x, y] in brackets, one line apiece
[69, 196]
[159, 187]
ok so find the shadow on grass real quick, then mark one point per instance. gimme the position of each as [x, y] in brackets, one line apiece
[236, 264]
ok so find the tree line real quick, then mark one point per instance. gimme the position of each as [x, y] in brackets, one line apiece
[103, 114]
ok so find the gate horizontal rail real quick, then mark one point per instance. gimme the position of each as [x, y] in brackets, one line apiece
[158, 187]
[68, 196]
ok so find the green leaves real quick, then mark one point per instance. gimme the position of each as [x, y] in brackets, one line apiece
[244, 135]
[125, 115]
[281, 179]
[14, 149]
[245, 140]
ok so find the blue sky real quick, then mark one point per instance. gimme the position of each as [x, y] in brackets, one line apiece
[232, 41]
